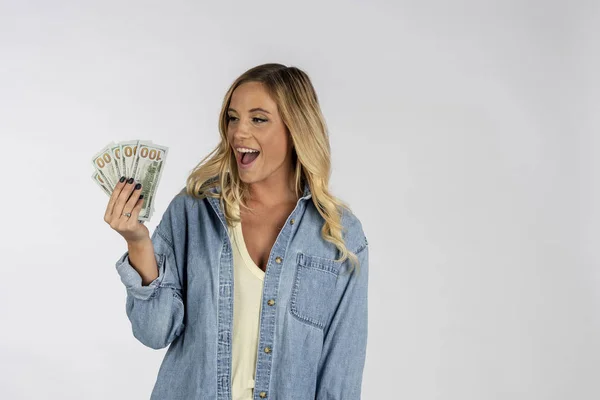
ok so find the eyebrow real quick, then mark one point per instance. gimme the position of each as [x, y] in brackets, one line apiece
[252, 110]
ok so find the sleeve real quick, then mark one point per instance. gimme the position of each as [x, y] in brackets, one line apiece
[156, 311]
[340, 370]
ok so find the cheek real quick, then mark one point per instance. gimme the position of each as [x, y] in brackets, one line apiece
[275, 151]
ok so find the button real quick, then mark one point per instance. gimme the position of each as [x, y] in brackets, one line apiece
[271, 302]
[278, 260]
[267, 349]
[292, 221]
[262, 395]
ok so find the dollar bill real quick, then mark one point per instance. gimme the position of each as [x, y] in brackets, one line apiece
[136, 159]
[105, 164]
[115, 149]
[148, 167]
[128, 155]
[104, 185]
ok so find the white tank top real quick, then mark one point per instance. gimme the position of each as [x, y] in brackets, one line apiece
[247, 298]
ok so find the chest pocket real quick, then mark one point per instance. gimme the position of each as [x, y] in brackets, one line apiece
[314, 285]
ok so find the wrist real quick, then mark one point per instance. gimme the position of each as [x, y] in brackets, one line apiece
[140, 244]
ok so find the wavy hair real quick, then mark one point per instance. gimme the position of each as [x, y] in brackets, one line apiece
[297, 102]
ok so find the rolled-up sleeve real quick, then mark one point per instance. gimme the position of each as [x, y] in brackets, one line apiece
[156, 311]
[345, 340]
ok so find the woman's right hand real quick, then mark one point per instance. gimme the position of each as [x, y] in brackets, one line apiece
[126, 198]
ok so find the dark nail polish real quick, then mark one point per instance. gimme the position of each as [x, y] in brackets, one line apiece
[139, 185]
[122, 179]
[141, 196]
[130, 181]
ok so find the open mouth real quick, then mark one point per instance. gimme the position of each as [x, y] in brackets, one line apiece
[248, 158]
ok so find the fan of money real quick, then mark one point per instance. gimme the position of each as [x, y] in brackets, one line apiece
[141, 160]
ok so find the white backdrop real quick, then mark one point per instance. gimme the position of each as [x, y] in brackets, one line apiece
[463, 136]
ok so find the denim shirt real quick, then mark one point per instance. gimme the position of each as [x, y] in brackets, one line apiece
[313, 321]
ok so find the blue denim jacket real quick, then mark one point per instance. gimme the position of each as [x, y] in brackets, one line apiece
[313, 316]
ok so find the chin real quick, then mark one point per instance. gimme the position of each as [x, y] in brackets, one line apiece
[250, 178]
[244, 178]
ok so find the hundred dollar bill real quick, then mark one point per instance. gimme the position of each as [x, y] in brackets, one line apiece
[148, 169]
[105, 164]
[128, 155]
[98, 179]
[136, 159]
[115, 149]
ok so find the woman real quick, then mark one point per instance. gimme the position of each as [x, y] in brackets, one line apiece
[251, 276]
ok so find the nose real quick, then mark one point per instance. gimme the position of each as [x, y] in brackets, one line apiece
[239, 130]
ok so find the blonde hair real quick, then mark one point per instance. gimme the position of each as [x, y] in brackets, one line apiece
[298, 106]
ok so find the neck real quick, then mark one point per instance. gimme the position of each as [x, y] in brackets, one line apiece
[273, 191]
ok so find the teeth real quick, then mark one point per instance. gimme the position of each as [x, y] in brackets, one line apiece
[247, 151]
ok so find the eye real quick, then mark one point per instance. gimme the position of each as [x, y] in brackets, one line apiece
[259, 119]
[229, 118]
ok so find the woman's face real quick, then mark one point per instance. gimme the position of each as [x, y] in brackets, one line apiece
[254, 123]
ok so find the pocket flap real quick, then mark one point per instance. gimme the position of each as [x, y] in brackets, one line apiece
[322, 263]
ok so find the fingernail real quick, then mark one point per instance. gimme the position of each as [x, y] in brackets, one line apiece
[122, 179]
[141, 196]
[139, 185]
[130, 180]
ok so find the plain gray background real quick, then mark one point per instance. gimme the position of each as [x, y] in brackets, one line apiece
[464, 136]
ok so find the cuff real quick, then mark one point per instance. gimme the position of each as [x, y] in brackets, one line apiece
[133, 281]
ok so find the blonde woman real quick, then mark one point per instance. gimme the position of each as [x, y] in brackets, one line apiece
[256, 275]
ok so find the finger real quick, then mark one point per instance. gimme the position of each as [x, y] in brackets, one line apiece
[132, 200]
[122, 199]
[113, 198]
[135, 213]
